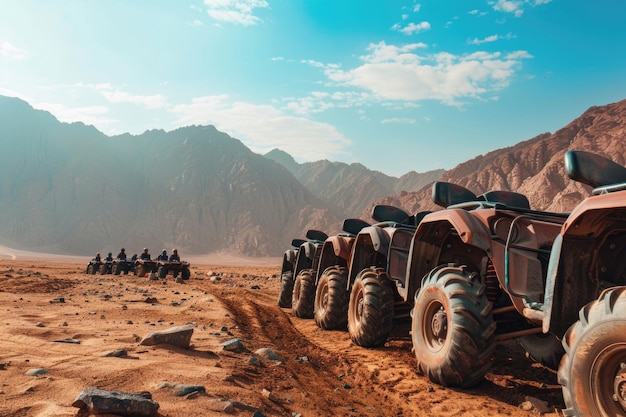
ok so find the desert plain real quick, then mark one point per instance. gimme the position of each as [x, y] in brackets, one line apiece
[55, 317]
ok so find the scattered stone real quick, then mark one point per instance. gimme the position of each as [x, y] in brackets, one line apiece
[117, 353]
[177, 336]
[35, 372]
[215, 278]
[255, 287]
[129, 322]
[98, 401]
[224, 406]
[124, 307]
[535, 404]
[57, 300]
[268, 354]
[302, 358]
[431, 388]
[151, 300]
[65, 324]
[40, 324]
[257, 413]
[224, 329]
[3, 365]
[68, 340]
[179, 280]
[347, 386]
[233, 345]
[270, 395]
[181, 390]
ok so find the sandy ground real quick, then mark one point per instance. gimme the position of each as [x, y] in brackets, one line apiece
[321, 373]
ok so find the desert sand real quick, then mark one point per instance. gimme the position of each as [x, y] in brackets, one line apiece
[46, 299]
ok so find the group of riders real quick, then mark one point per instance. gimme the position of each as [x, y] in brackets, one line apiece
[145, 255]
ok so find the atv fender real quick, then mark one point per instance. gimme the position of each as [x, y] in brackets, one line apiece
[371, 245]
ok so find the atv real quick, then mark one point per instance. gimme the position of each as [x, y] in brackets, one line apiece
[121, 266]
[286, 273]
[173, 268]
[329, 294]
[144, 267]
[305, 269]
[93, 266]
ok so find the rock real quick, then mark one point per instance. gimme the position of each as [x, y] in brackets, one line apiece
[270, 395]
[98, 401]
[57, 300]
[151, 300]
[36, 372]
[268, 354]
[177, 336]
[254, 361]
[68, 340]
[115, 353]
[233, 345]
[40, 324]
[215, 278]
[257, 413]
[181, 390]
[535, 404]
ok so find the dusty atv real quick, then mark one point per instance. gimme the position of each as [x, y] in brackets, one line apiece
[106, 267]
[329, 293]
[92, 267]
[121, 266]
[144, 267]
[286, 273]
[174, 268]
[378, 259]
[305, 273]
[495, 269]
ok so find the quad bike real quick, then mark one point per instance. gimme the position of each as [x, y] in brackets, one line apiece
[328, 293]
[305, 269]
[286, 273]
[493, 269]
[93, 266]
[145, 266]
[106, 267]
[121, 266]
[378, 260]
[173, 268]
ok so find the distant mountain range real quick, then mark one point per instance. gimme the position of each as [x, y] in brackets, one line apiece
[69, 188]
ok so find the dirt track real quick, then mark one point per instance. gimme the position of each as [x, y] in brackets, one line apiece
[322, 373]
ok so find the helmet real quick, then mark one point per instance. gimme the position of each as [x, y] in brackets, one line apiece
[164, 251]
[145, 249]
[122, 250]
[110, 254]
[174, 250]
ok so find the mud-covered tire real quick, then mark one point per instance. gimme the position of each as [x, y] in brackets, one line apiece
[162, 272]
[543, 348]
[116, 269]
[286, 290]
[304, 294]
[185, 274]
[591, 371]
[103, 269]
[90, 270]
[331, 299]
[371, 308]
[452, 327]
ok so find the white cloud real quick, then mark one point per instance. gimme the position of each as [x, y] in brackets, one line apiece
[235, 11]
[398, 73]
[509, 6]
[263, 127]
[155, 101]
[488, 39]
[89, 115]
[411, 28]
[196, 23]
[7, 50]
[417, 8]
[398, 120]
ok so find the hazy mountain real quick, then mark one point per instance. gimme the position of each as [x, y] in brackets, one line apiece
[535, 167]
[350, 188]
[195, 188]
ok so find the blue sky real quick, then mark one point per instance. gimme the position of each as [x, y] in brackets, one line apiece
[395, 85]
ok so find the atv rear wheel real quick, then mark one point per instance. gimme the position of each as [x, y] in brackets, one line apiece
[543, 348]
[593, 370]
[140, 271]
[162, 272]
[286, 290]
[331, 299]
[116, 269]
[370, 311]
[452, 328]
[90, 269]
[185, 274]
[304, 294]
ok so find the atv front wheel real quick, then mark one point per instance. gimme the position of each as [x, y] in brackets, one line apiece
[185, 274]
[331, 299]
[370, 311]
[452, 328]
[593, 370]
[304, 294]
[286, 290]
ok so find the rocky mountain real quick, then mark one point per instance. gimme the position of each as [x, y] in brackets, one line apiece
[350, 188]
[535, 167]
[69, 187]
